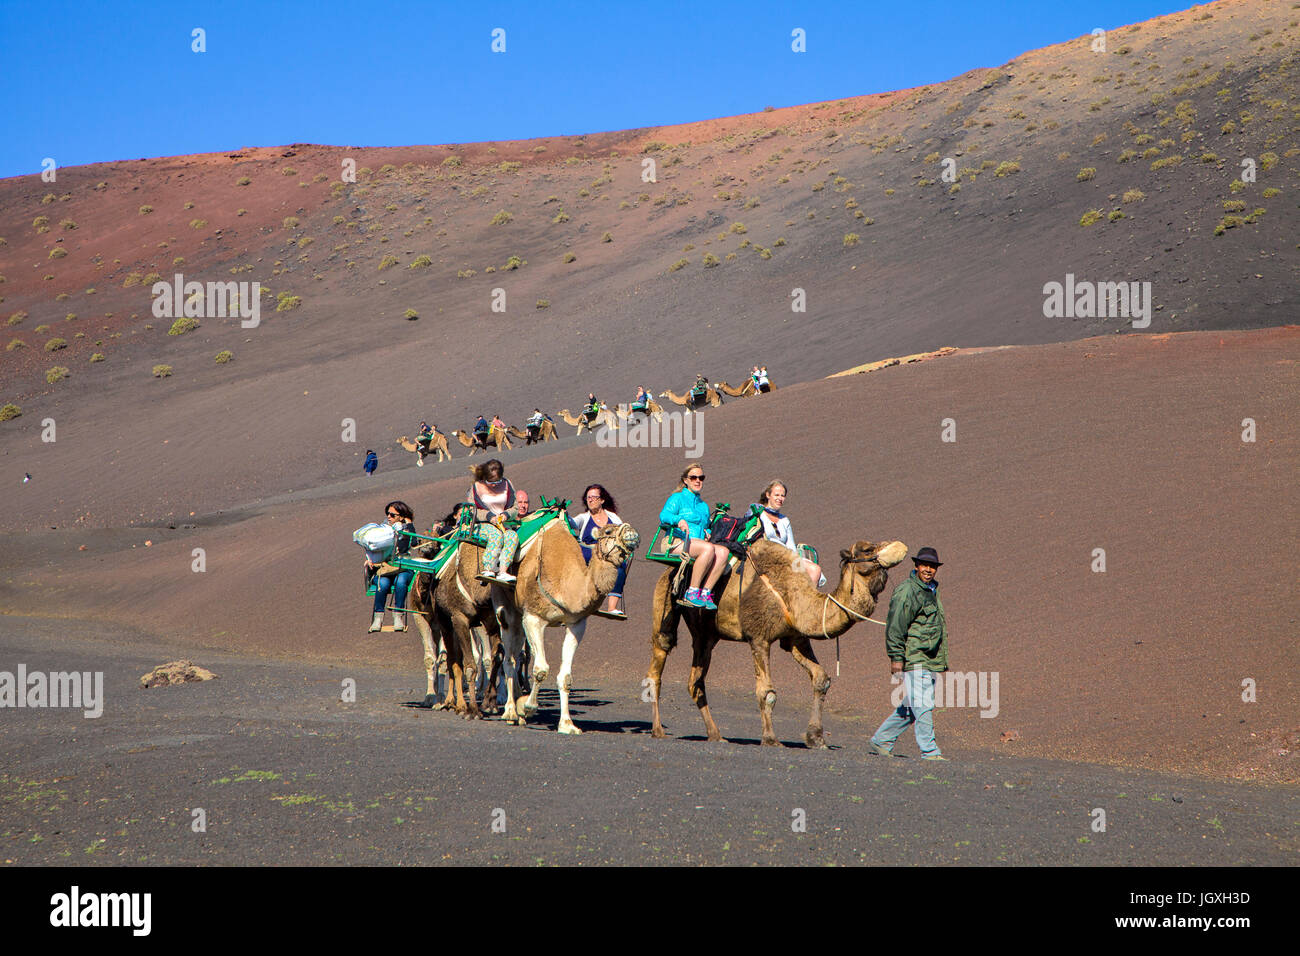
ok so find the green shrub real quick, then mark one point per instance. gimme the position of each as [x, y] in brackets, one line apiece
[198, 223]
[451, 161]
[560, 217]
[1134, 195]
[242, 181]
[224, 356]
[739, 228]
[569, 257]
[56, 374]
[17, 317]
[53, 345]
[1267, 161]
[1234, 205]
[15, 344]
[1116, 215]
[8, 411]
[514, 262]
[291, 222]
[387, 262]
[679, 264]
[465, 273]
[1236, 186]
[1085, 174]
[1006, 169]
[161, 371]
[1089, 217]
[1209, 158]
[851, 239]
[69, 224]
[543, 303]
[779, 242]
[609, 236]
[58, 252]
[285, 302]
[710, 260]
[43, 327]
[1166, 162]
[411, 315]
[145, 210]
[97, 357]
[1126, 155]
[1272, 191]
[501, 218]
[420, 262]
[288, 171]
[183, 325]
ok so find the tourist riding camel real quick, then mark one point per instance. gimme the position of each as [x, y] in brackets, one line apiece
[599, 515]
[481, 431]
[776, 527]
[592, 408]
[534, 425]
[388, 578]
[493, 498]
[687, 511]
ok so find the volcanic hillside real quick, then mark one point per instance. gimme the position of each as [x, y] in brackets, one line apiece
[377, 294]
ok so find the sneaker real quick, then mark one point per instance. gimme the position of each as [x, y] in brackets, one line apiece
[505, 577]
[691, 598]
[399, 622]
[881, 750]
[487, 575]
[934, 756]
[706, 600]
[376, 622]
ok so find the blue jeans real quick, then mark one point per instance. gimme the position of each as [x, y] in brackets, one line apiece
[397, 583]
[917, 708]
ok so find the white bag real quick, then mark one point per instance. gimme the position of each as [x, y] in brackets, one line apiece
[377, 539]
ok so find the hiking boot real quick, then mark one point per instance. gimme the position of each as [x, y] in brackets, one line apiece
[934, 756]
[706, 600]
[376, 622]
[399, 621]
[880, 750]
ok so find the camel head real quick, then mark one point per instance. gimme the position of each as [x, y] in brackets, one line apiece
[873, 561]
[616, 542]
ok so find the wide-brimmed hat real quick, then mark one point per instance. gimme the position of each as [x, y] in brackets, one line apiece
[927, 556]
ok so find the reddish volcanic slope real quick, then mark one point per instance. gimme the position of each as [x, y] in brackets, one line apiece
[1132, 445]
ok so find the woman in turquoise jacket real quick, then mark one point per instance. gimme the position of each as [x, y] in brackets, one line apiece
[687, 511]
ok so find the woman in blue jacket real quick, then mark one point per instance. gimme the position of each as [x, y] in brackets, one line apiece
[686, 510]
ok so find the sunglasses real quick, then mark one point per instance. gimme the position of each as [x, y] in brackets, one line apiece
[695, 477]
[393, 514]
[595, 498]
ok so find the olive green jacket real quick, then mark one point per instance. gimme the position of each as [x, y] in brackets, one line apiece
[916, 633]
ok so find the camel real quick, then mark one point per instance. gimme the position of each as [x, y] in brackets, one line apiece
[455, 607]
[556, 588]
[544, 434]
[748, 389]
[497, 437]
[437, 444]
[653, 408]
[603, 417]
[710, 396]
[780, 606]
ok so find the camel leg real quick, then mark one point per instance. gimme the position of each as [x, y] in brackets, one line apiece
[763, 689]
[801, 648]
[572, 638]
[701, 654]
[430, 658]
[535, 630]
[512, 637]
[467, 706]
[663, 637]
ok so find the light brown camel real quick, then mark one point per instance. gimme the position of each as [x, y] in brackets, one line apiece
[446, 612]
[737, 392]
[437, 445]
[544, 434]
[496, 437]
[653, 409]
[556, 588]
[780, 606]
[711, 396]
[603, 417]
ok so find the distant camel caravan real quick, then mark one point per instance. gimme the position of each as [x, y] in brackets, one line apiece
[689, 400]
[652, 410]
[545, 432]
[437, 445]
[770, 602]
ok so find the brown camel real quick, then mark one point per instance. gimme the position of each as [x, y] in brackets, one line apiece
[653, 409]
[734, 392]
[544, 434]
[710, 396]
[450, 609]
[603, 417]
[556, 588]
[496, 437]
[780, 606]
[437, 444]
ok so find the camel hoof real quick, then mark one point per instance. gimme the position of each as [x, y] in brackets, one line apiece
[568, 728]
[771, 742]
[717, 739]
[814, 741]
[527, 709]
[657, 732]
[430, 701]
[539, 675]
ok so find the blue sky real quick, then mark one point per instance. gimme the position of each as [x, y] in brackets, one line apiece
[97, 81]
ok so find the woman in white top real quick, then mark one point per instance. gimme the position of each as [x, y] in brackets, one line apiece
[600, 514]
[776, 527]
[493, 499]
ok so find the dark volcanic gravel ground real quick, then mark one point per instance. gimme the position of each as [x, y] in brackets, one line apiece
[287, 773]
